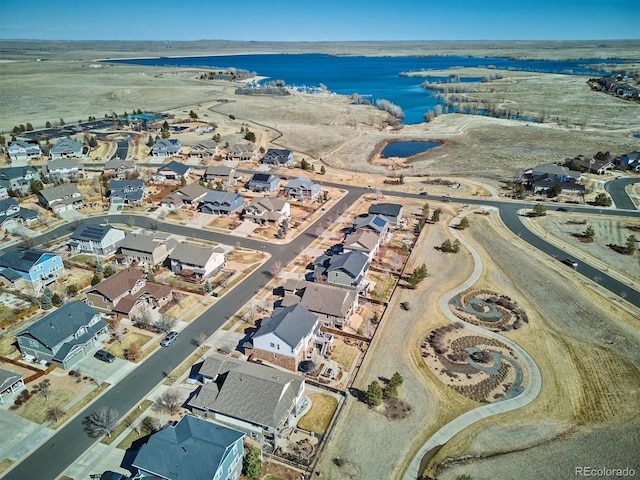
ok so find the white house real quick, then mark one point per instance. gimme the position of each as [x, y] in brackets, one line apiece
[96, 239]
[196, 261]
[21, 152]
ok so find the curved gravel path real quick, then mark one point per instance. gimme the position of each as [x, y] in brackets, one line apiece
[531, 391]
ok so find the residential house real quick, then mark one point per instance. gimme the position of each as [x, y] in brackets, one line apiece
[261, 401]
[66, 148]
[61, 198]
[195, 261]
[37, 267]
[302, 189]
[127, 293]
[96, 239]
[127, 192]
[10, 383]
[205, 150]
[63, 169]
[18, 179]
[192, 449]
[190, 194]
[242, 152]
[221, 203]
[173, 173]
[221, 173]
[119, 168]
[334, 305]
[4, 193]
[391, 211]
[346, 269]
[166, 147]
[11, 214]
[376, 223]
[267, 210]
[64, 336]
[544, 178]
[589, 165]
[264, 182]
[630, 161]
[145, 249]
[21, 152]
[292, 334]
[278, 158]
[362, 240]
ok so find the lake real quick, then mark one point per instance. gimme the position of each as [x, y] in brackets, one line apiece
[407, 149]
[371, 77]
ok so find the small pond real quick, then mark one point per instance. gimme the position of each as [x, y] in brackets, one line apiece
[407, 149]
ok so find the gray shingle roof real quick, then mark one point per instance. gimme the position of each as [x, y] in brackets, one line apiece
[191, 450]
[140, 243]
[351, 262]
[8, 378]
[192, 254]
[375, 222]
[291, 324]
[66, 145]
[176, 167]
[57, 193]
[386, 209]
[9, 173]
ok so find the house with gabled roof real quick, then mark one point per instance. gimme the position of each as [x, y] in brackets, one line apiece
[302, 189]
[127, 192]
[391, 211]
[334, 305]
[172, 173]
[196, 261]
[118, 168]
[261, 401]
[545, 177]
[267, 210]
[590, 165]
[346, 269]
[278, 157]
[66, 148]
[289, 336]
[96, 239]
[221, 203]
[192, 449]
[362, 240]
[18, 179]
[61, 198]
[4, 193]
[375, 223]
[263, 182]
[145, 249]
[221, 173]
[21, 152]
[63, 169]
[37, 268]
[191, 194]
[127, 293]
[242, 152]
[10, 384]
[629, 161]
[205, 150]
[12, 214]
[64, 336]
[166, 147]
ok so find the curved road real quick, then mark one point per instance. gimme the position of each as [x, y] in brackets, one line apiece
[616, 188]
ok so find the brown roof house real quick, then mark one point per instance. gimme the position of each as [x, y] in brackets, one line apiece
[267, 210]
[362, 240]
[188, 195]
[128, 293]
[259, 400]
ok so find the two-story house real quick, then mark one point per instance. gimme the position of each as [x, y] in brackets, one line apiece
[346, 269]
[64, 336]
[11, 214]
[118, 168]
[10, 384]
[365, 241]
[272, 399]
[127, 293]
[173, 173]
[302, 189]
[18, 179]
[190, 194]
[267, 210]
[21, 152]
[195, 261]
[127, 192]
[192, 449]
[36, 267]
[66, 148]
[221, 203]
[205, 150]
[96, 239]
[221, 173]
[4, 193]
[288, 337]
[63, 169]
[277, 157]
[378, 224]
[264, 182]
[61, 198]
[166, 147]
[145, 249]
[242, 152]
[545, 177]
[391, 211]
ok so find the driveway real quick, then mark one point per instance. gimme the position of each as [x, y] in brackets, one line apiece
[71, 215]
[245, 229]
[21, 231]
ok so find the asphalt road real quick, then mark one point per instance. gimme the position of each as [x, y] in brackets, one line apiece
[122, 150]
[615, 188]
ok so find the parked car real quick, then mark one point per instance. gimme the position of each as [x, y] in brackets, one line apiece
[562, 209]
[424, 194]
[168, 340]
[104, 356]
[571, 262]
[405, 305]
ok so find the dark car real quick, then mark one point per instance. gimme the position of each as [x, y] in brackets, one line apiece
[571, 262]
[104, 356]
[405, 305]
[424, 194]
[562, 209]
[168, 340]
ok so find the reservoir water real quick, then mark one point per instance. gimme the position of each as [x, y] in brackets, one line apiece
[371, 77]
[407, 149]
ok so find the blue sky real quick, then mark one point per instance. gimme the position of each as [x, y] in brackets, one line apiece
[317, 20]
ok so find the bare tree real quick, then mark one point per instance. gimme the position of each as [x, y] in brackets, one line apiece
[319, 229]
[116, 330]
[102, 422]
[44, 389]
[202, 337]
[168, 402]
[55, 413]
[165, 322]
[276, 269]
[133, 352]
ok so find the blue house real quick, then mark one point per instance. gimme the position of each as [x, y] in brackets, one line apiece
[221, 203]
[18, 179]
[263, 182]
[278, 157]
[12, 214]
[65, 336]
[37, 267]
[127, 192]
[193, 449]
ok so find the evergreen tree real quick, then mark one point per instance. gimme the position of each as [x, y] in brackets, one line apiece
[323, 170]
[374, 394]
[631, 244]
[48, 124]
[464, 223]
[589, 232]
[151, 141]
[435, 217]
[252, 464]
[304, 165]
